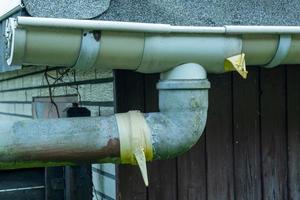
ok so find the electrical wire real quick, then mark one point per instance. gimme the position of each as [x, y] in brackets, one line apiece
[50, 92]
[56, 80]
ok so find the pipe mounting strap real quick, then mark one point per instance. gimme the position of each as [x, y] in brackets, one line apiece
[135, 140]
[282, 51]
[89, 50]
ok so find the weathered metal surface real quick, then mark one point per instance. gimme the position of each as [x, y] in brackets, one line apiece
[67, 141]
[181, 120]
[56, 142]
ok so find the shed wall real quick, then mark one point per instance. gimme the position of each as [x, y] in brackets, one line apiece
[250, 148]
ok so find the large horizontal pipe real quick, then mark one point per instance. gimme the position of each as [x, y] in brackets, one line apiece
[183, 103]
[55, 142]
[147, 48]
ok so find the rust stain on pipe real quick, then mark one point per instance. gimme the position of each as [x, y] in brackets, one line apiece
[112, 149]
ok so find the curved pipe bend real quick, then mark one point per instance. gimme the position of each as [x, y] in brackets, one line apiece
[183, 103]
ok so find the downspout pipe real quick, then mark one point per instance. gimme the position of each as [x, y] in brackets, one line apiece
[183, 104]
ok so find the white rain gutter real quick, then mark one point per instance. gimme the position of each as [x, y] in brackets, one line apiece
[148, 48]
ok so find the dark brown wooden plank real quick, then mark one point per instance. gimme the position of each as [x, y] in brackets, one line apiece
[293, 126]
[35, 194]
[192, 173]
[54, 183]
[78, 182]
[162, 180]
[129, 88]
[151, 93]
[78, 179]
[246, 129]
[70, 187]
[273, 133]
[162, 174]
[130, 95]
[219, 147]
[22, 184]
[21, 178]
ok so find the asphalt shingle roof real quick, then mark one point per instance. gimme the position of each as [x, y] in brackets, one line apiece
[176, 12]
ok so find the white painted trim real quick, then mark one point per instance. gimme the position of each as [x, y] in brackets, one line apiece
[9, 7]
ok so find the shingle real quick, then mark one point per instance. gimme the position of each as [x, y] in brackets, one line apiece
[79, 9]
[176, 12]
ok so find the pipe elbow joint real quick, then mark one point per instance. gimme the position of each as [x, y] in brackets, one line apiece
[183, 104]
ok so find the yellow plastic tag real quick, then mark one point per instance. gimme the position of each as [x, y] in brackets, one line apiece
[135, 140]
[236, 63]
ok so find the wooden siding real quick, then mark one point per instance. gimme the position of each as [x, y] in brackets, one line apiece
[250, 149]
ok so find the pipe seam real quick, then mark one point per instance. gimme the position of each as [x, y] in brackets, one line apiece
[283, 47]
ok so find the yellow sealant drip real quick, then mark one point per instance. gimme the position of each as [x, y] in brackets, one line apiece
[135, 140]
[141, 161]
[236, 63]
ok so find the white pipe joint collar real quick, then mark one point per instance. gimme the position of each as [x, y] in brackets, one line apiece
[186, 71]
[283, 47]
[89, 50]
[187, 76]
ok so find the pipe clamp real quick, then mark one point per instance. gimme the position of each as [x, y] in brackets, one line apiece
[89, 50]
[135, 140]
[195, 84]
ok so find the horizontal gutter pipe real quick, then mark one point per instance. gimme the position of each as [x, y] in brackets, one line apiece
[146, 48]
[183, 104]
[57, 142]
[151, 27]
